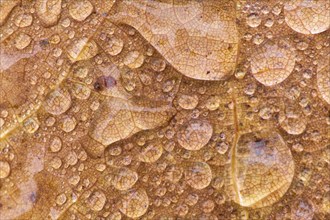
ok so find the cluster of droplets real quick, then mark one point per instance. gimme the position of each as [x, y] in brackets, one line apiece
[127, 135]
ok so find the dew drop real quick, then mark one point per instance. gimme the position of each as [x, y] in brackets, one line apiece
[307, 17]
[195, 134]
[261, 169]
[68, 124]
[114, 46]
[198, 175]
[58, 101]
[188, 101]
[48, 11]
[23, 20]
[134, 203]
[22, 41]
[253, 20]
[124, 178]
[56, 144]
[61, 199]
[4, 169]
[31, 125]
[80, 91]
[96, 200]
[134, 59]
[271, 64]
[151, 153]
[80, 9]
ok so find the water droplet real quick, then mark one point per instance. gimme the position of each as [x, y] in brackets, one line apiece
[133, 59]
[48, 11]
[212, 103]
[307, 17]
[115, 216]
[208, 206]
[293, 120]
[4, 169]
[124, 178]
[198, 175]
[82, 49]
[80, 9]
[269, 22]
[96, 201]
[195, 134]
[157, 64]
[222, 147]
[23, 20]
[22, 41]
[134, 203]
[56, 144]
[31, 125]
[298, 147]
[50, 121]
[56, 163]
[192, 199]
[265, 113]
[104, 83]
[114, 46]
[253, 20]
[80, 91]
[188, 101]
[218, 183]
[61, 199]
[151, 153]
[74, 180]
[58, 101]
[261, 169]
[68, 123]
[71, 158]
[271, 64]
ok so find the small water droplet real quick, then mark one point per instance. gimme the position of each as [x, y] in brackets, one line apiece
[4, 169]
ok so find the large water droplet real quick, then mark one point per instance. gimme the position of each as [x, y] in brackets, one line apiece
[272, 63]
[82, 49]
[114, 45]
[261, 169]
[151, 153]
[22, 41]
[124, 178]
[253, 20]
[198, 175]
[188, 101]
[134, 203]
[195, 134]
[292, 119]
[134, 59]
[68, 123]
[23, 20]
[80, 9]
[307, 16]
[96, 200]
[49, 11]
[80, 91]
[58, 101]
[31, 125]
